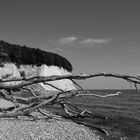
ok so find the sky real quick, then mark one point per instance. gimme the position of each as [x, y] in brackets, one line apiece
[94, 35]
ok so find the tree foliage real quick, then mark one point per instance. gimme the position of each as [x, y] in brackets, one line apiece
[25, 55]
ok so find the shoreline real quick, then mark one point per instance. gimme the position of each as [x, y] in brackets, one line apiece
[43, 129]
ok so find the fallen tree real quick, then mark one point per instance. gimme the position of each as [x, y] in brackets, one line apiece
[25, 106]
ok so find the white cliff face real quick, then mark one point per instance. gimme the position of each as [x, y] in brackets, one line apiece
[64, 84]
[11, 71]
[29, 70]
[45, 70]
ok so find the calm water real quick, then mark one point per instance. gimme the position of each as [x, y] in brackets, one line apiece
[126, 104]
[124, 111]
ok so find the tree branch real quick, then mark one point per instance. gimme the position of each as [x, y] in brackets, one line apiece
[37, 79]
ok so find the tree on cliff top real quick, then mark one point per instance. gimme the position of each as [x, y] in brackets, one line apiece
[25, 55]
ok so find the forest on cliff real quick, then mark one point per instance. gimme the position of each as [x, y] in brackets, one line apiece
[33, 56]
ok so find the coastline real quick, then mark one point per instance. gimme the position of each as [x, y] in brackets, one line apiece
[43, 129]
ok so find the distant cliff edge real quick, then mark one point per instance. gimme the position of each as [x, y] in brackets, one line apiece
[17, 61]
[22, 55]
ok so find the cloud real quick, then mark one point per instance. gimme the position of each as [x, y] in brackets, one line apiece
[81, 42]
[67, 40]
[91, 41]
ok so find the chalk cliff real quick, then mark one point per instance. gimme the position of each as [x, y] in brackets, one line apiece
[9, 70]
[16, 61]
[64, 84]
[44, 70]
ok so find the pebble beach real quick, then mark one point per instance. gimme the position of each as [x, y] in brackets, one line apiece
[52, 129]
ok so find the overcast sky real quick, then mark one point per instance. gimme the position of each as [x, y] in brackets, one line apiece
[94, 35]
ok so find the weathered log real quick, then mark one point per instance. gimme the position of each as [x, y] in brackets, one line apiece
[25, 106]
[37, 79]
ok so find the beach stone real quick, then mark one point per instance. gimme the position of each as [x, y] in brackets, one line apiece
[24, 129]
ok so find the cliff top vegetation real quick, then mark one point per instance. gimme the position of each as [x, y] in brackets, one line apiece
[24, 55]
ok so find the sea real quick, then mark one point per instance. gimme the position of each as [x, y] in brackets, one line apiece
[122, 111]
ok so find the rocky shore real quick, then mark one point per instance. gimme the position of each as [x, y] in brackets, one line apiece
[44, 129]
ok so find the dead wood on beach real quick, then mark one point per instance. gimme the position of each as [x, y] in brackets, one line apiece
[25, 106]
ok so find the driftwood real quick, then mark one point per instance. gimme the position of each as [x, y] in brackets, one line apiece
[38, 79]
[25, 106]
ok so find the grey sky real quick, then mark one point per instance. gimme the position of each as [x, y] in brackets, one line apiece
[95, 35]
